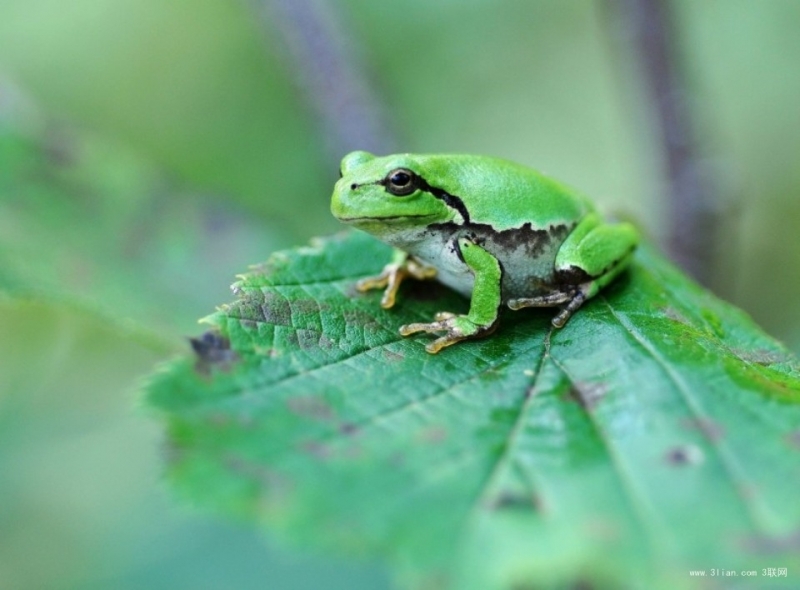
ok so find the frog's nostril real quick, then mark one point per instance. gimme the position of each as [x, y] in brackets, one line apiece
[353, 186]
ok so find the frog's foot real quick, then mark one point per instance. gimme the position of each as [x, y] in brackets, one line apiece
[569, 301]
[455, 327]
[392, 275]
[571, 307]
[549, 300]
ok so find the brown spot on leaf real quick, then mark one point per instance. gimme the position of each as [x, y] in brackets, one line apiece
[793, 438]
[762, 356]
[508, 500]
[348, 428]
[213, 351]
[713, 431]
[359, 317]
[768, 545]
[275, 309]
[588, 395]
[675, 315]
[325, 343]
[316, 449]
[309, 306]
[684, 455]
[310, 406]
[273, 480]
[432, 434]
[603, 529]
[391, 356]
[308, 338]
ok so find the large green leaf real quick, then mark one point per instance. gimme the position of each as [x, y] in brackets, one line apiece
[657, 433]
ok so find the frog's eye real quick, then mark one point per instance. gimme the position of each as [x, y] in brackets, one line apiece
[401, 182]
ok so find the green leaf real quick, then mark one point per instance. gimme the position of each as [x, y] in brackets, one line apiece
[657, 433]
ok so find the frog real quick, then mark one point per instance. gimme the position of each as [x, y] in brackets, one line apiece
[497, 232]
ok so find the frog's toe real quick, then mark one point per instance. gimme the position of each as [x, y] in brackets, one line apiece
[409, 329]
[455, 327]
[454, 331]
[571, 307]
[547, 300]
[370, 283]
[444, 341]
[444, 315]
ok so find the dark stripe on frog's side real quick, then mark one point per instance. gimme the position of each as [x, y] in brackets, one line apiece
[451, 201]
[533, 241]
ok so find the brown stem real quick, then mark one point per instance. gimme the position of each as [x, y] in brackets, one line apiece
[692, 201]
[327, 69]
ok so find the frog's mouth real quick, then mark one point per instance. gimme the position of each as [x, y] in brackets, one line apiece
[386, 219]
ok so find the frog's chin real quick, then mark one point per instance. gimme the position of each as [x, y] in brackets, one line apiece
[380, 225]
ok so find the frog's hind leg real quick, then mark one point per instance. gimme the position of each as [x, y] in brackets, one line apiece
[591, 256]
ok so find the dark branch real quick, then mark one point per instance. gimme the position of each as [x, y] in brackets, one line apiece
[332, 78]
[692, 202]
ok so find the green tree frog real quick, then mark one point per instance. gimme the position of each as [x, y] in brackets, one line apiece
[496, 232]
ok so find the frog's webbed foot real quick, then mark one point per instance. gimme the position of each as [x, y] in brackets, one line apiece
[393, 275]
[455, 327]
[569, 301]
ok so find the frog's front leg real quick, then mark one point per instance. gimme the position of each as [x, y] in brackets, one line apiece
[483, 310]
[590, 258]
[401, 267]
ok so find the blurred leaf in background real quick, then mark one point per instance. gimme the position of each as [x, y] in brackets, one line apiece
[149, 150]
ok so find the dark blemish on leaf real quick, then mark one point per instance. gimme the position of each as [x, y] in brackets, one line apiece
[713, 431]
[603, 529]
[174, 452]
[588, 395]
[308, 306]
[275, 309]
[274, 481]
[359, 317]
[391, 356]
[212, 350]
[308, 339]
[684, 455]
[309, 406]
[348, 428]
[325, 343]
[513, 501]
[768, 545]
[218, 420]
[432, 434]
[316, 449]
[675, 315]
[762, 356]
[793, 438]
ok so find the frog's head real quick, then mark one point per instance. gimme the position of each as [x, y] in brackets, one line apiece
[387, 194]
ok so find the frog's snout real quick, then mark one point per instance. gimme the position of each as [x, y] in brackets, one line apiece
[339, 198]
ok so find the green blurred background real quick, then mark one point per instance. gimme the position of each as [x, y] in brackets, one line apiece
[150, 151]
